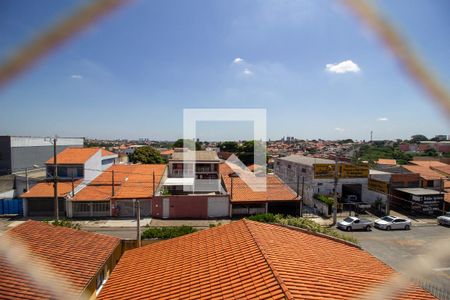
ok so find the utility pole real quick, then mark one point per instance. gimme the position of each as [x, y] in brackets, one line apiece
[388, 200]
[441, 192]
[231, 196]
[154, 186]
[113, 192]
[138, 222]
[73, 187]
[298, 190]
[303, 193]
[55, 180]
[26, 178]
[335, 190]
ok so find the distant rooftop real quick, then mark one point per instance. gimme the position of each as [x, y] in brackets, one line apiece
[418, 191]
[306, 160]
[199, 155]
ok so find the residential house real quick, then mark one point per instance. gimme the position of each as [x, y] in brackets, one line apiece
[192, 188]
[77, 167]
[252, 260]
[42, 261]
[277, 197]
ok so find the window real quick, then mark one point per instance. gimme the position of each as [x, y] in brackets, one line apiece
[289, 166]
[303, 170]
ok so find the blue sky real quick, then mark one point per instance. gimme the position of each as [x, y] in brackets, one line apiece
[131, 74]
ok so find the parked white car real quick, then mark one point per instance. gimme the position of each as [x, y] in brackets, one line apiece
[444, 220]
[392, 222]
[354, 223]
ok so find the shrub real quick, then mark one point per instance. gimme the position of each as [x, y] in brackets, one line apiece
[324, 199]
[265, 218]
[303, 223]
[167, 232]
[64, 223]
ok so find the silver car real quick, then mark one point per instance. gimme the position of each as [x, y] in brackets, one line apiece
[444, 220]
[354, 223]
[392, 222]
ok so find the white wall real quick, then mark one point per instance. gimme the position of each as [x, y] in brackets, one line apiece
[92, 165]
[28, 141]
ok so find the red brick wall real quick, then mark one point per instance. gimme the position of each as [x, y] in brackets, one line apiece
[189, 207]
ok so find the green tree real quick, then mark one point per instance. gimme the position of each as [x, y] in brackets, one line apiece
[146, 155]
[190, 144]
[229, 147]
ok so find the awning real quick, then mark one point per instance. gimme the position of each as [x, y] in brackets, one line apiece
[178, 181]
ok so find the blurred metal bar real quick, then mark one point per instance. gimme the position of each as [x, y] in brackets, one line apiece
[54, 36]
[411, 63]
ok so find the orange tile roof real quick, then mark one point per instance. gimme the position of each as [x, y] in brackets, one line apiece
[130, 182]
[45, 189]
[428, 163]
[167, 152]
[424, 171]
[385, 161]
[277, 190]
[249, 260]
[106, 153]
[74, 156]
[73, 255]
[442, 169]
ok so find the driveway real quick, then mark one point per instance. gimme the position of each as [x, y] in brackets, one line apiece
[402, 249]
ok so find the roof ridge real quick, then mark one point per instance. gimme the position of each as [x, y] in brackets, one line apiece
[277, 276]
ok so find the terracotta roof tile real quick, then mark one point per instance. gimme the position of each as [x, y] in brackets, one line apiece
[45, 189]
[385, 161]
[249, 260]
[106, 153]
[74, 156]
[130, 182]
[424, 171]
[74, 255]
[276, 190]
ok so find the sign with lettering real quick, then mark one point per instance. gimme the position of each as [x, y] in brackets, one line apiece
[323, 171]
[378, 186]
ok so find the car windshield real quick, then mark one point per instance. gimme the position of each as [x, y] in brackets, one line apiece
[348, 219]
[448, 214]
[387, 219]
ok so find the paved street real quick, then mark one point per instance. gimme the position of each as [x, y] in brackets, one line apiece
[402, 249]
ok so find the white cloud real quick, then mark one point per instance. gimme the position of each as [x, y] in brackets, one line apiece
[238, 61]
[247, 72]
[339, 129]
[382, 119]
[76, 76]
[343, 67]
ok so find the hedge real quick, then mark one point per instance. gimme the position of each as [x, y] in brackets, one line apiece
[166, 232]
[303, 223]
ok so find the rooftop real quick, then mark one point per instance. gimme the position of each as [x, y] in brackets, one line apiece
[306, 160]
[199, 156]
[45, 189]
[418, 191]
[276, 189]
[249, 260]
[385, 161]
[75, 156]
[424, 171]
[130, 182]
[75, 256]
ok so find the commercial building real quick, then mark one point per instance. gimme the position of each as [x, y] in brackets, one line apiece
[42, 261]
[312, 176]
[251, 260]
[418, 200]
[18, 153]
